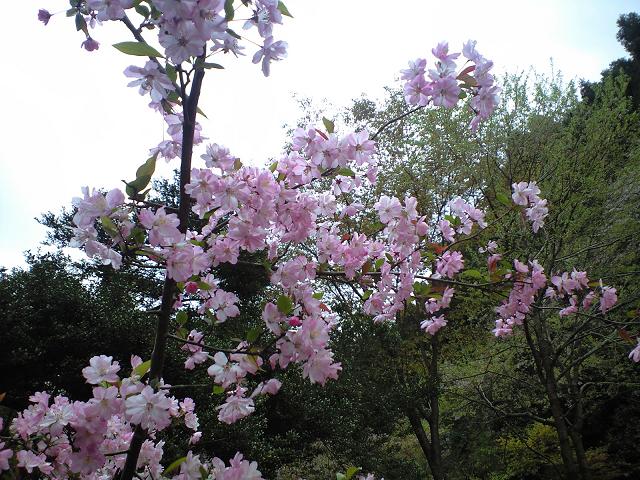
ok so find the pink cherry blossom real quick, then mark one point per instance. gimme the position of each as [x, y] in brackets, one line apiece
[44, 16]
[608, 299]
[149, 409]
[150, 80]
[269, 52]
[434, 324]
[101, 369]
[235, 407]
[449, 264]
[634, 355]
[5, 455]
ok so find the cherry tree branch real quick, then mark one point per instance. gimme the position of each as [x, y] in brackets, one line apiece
[190, 107]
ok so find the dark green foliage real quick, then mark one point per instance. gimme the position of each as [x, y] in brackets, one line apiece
[629, 36]
[54, 318]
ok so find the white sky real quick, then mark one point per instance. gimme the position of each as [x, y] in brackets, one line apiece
[70, 120]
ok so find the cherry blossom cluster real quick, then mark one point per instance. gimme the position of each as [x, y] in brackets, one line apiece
[60, 438]
[246, 209]
[433, 306]
[526, 194]
[572, 288]
[186, 29]
[443, 85]
[528, 280]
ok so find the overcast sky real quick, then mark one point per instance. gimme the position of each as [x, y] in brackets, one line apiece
[70, 120]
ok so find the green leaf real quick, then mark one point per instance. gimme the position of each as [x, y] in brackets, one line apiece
[285, 304]
[109, 226]
[143, 10]
[452, 220]
[367, 294]
[182, 317]
[212, 65]
[199, 110]
[475, 274]
[421, 289]
[328, 125]
[143, 177]
[142, 369]
[139, 49]
[81, 24]
[253, 334]
[138, 235]
[351, 471]
[284, 10]
[503, 199]
[233, 34]
[204, 286]
[267, 265]
[346, 172]
[218, 390]
[318, 295]
[340, 476]
[228, 10]
[182, 332]
[171, 72]
[273, 167]
[148, 167]
[174, 465]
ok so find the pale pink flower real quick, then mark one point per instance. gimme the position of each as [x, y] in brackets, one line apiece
[320, 367]
[44, 16]
[150, 80]
[224, 305]
[269, 52]
[434, 324]
[5, 455]
[109, 9]
[190, 468]
[240, 469]
[236, 406]
[29, 460]
[608, 299]
[417, 91]
[445, 92]
[101, 369]
[219, 156]
[449, 264]
[149, 409]
[182, 43]
[416, 68]
[447, 231]
[163, 228]
[224, 373]
[388, 208]
[634, 355]
[90, 44]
